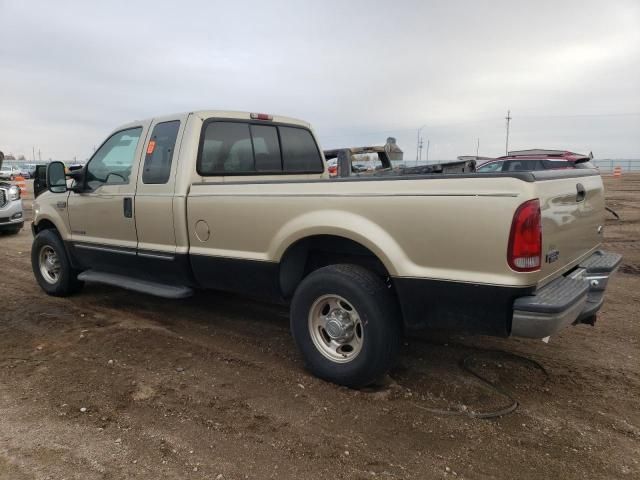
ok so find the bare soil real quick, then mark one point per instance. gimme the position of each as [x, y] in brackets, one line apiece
[111, 384]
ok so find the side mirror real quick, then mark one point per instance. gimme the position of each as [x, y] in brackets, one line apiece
[77, 174]
[56, 177]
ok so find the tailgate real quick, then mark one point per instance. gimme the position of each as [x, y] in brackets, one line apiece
[572, 220]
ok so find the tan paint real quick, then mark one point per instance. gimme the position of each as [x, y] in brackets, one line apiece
[154, 203]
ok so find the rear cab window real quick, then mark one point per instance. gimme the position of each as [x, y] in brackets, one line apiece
[238, 147]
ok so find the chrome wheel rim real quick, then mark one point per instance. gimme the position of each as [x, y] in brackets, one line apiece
[49, 265]
[335, 328]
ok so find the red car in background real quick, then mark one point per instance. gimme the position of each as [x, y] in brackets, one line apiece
[537, 159]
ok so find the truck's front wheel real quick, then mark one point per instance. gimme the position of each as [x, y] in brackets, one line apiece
[51, 266]
[346, 324]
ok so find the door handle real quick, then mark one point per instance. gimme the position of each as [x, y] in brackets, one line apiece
[127, 205]
[582, 193]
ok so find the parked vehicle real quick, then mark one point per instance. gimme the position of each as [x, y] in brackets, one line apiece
[341, 162]
[533, 160]
[29, 170]
[8, 172]
[243, 202]
[11, 215]
[332, 167]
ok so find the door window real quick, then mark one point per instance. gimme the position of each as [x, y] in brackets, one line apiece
[112, 163]
[160, 149]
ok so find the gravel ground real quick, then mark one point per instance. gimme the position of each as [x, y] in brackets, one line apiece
[111, 384]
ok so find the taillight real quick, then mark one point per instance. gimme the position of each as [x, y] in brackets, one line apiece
[525, 240]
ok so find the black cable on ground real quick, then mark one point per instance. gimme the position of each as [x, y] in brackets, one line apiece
[464, 364]
[612, 211]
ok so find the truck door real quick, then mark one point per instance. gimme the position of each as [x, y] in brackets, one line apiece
[154, 204]
[101, 214]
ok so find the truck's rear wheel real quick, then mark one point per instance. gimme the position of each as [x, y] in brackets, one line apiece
[346, 324]
[51, 266]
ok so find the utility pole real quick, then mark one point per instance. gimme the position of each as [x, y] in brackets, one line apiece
[419, 144]
[508, 119]
[33, 151]
[428, 143]
[477, 148]
[39, 155]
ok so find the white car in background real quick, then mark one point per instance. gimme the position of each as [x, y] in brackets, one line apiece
[8, 172]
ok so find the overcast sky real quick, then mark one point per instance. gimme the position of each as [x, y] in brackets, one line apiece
[70, 72]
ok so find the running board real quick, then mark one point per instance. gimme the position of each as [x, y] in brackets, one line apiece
[137, 285]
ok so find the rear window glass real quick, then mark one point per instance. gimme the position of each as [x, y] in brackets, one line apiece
[584, 165]
[232, 148]
[556, 164]
[227, 148]
[157, 161]
[266, 148]
[299, 150]
[523, 166]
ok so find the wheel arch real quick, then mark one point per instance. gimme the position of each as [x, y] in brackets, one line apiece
[312, 252]
[44, 224]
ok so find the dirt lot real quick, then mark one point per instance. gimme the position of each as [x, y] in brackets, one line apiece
[212, 388]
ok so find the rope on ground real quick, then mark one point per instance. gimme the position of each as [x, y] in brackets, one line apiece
[612, 211]
[513, 405]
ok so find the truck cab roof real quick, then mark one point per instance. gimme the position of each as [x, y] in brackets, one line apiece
[223, 114]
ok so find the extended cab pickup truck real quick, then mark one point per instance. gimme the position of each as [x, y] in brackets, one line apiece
[243, 202]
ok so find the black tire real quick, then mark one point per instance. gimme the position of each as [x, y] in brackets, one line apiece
[375, 306]
[67, 282]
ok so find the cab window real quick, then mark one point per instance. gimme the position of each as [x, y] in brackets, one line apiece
[266, 148]
[299, 151]
[236, 148]
[159, 155]
[226, 148]
[112, 162]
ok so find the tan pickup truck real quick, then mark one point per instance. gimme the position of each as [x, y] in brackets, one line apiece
[242, 202]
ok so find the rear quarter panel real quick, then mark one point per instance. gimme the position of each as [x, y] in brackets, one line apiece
[440, 228]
